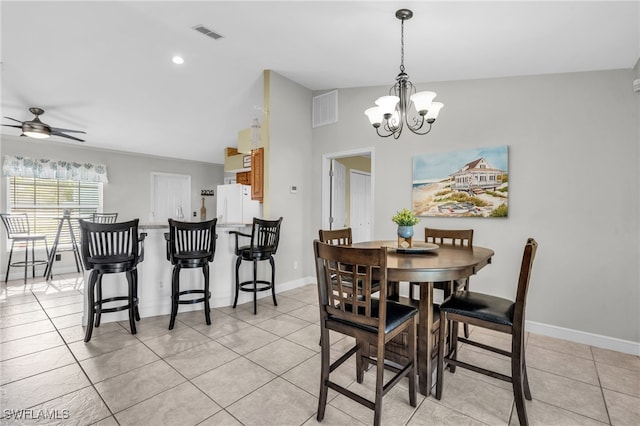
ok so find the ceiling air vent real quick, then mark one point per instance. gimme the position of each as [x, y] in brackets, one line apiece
[325, 109]
[206, 31]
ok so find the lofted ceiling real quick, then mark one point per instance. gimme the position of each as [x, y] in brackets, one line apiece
[105, 66]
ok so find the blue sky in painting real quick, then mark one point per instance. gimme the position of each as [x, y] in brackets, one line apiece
[437, 166]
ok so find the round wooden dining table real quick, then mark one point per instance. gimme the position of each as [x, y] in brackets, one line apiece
[426, 266]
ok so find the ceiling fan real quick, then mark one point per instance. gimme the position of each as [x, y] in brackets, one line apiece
[39, 130]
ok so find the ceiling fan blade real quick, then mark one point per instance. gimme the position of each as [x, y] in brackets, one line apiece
[55, 133]
[13, 125]
[58, 129]
[13, 119]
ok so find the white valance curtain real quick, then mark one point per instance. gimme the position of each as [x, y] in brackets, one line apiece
[53, 169]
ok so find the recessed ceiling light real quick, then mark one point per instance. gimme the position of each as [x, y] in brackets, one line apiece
[178, 60]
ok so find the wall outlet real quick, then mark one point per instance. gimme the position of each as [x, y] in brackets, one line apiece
[295, 264]
[58, 257]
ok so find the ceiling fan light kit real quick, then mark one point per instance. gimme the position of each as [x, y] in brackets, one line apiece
[391, 112]
[38, 130]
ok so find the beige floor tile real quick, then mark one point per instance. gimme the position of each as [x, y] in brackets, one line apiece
[77, 332]
[29, 345]
[280, 356]
[68, 320]
[276, 403]
[623, 409]
[221, 327]
[233, 380]
[562, 364]
[117, 362]
[7, 310]
[430, 412]
[569, 394]
[307, 376]
[221, 418]
[243, 313]
[247, 340]
[619, 379]
[58, 311]
[491, 338]
[618, 359]
[200, 359]
[177, 340]
[309, 313]
[109, 421]
[49, 302]
[483, 359]
[11, 297]
[559, 345]
[23, 318]
[197, 317]
[25, 330]
[182, 405]
[285, 304]
[477, 399]
[282, 325]
[150, 327]
[80, 407]
[309, 337]
[542, 414]
[102, 344]
[333, 417]
[36, 363]
[137, 385]
[43, 387]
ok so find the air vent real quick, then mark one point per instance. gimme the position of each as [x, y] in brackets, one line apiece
[325, 109]
[206, 31]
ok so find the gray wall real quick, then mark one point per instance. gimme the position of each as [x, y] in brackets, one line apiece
[129, 189]
[573, 177]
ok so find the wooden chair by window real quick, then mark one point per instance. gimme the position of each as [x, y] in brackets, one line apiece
[18, 230]
[104, 217]
[265, 236]
[456, 237]
[495, 313]
[190, 245]
[345, 276]
[109, 248]
[336, 237]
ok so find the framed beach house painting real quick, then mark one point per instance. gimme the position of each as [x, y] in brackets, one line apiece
[469, 183]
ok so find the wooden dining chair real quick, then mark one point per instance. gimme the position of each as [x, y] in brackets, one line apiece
[345, 277]
[495, 313]
[455, 237]
[341, 237]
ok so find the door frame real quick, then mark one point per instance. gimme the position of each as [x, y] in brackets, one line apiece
[326, 183]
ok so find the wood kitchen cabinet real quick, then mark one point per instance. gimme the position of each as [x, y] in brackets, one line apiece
[243, 178]
[257, 174]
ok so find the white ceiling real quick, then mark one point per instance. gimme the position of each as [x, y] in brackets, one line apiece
[105, 67]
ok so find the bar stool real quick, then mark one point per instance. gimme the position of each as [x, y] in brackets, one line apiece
[190, 245]
[265, 236]
[18, 230]
[104, 217]
[109, 249]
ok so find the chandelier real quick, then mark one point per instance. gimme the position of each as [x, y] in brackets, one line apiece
[392, 112]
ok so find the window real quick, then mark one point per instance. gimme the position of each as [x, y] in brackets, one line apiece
[45, 200]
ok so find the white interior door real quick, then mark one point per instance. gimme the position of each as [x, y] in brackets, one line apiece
[338, 195]
[171, 194]
[360, 205]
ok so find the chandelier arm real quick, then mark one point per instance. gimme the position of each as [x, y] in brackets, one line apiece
[418, 132]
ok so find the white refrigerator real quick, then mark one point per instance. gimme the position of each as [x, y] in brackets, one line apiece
[235, 206]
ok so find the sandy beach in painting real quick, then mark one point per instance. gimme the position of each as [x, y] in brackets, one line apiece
[424, 203]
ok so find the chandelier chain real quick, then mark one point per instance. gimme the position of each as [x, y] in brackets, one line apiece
[402, 46]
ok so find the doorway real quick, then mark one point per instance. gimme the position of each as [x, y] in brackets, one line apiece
[347, 200]
[170, 196]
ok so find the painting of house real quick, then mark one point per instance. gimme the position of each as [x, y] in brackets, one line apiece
[470, 183]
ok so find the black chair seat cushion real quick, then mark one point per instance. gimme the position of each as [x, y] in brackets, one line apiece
[247, 254]
[481, 306]
[397, 314]
[192, 259]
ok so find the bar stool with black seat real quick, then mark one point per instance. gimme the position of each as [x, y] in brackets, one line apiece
[18, 230]
[190, 245]
[104, 217]
[265, 236]
[110, 248]
[494, 313]
[374, 322]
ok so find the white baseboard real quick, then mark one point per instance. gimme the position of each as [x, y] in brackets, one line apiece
[598, 340]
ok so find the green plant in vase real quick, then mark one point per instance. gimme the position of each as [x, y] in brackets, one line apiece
[405, 219]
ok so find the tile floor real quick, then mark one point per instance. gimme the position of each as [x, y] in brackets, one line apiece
[264, 370]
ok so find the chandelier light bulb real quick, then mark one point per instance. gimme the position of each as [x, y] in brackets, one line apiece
[375, 116]
[387, 104]
[422, 101]
[433, 112]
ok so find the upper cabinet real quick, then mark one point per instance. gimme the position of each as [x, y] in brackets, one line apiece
[257, 174]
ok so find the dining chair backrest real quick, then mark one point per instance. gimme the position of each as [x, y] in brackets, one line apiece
[16, 224]
[106, 244]
[345, 279]
[456, 237]
[104, 217]
[528, 256]
[191, 242]
[342, 237]
[265, 235]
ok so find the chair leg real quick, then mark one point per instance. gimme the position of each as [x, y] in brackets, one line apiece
[255, 287]
[454, 343]
[517, 377]
[91, 304]
[175, 289]
[324, 372]
[135, 292]
[525, 376]
[26, 261]
[441, 345]
[377, 414]
[99, 298]
[207, 313]
[412, 371]
[132, 301]
[273, 280]
[33, 259]
[235, 300]
[6, 277]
